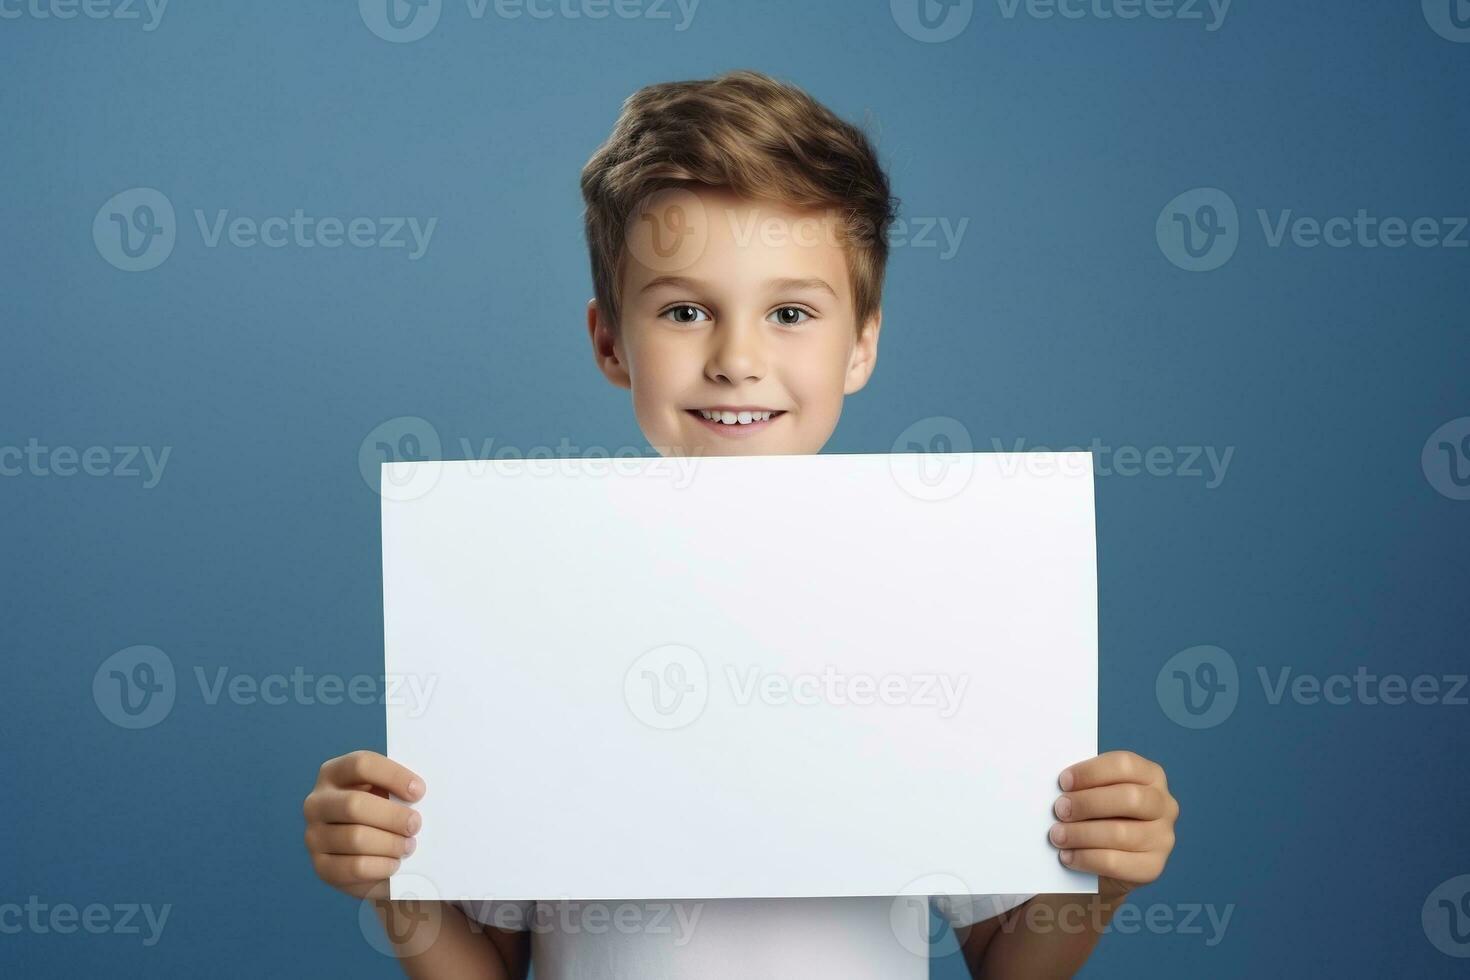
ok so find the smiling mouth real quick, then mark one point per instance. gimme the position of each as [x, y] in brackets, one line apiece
[736, 421]
[739, 416]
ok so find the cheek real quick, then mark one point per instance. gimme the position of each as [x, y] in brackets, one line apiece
[817, 378]
[655, 370]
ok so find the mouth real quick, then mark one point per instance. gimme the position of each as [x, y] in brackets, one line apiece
[734, 422]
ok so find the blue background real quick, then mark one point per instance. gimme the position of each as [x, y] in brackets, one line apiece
[1058, 321]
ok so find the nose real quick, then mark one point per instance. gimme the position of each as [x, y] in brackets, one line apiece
[737, 354]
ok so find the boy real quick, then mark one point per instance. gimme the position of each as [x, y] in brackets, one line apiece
[737, 231]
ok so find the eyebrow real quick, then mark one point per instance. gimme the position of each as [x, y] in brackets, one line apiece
[682, 282]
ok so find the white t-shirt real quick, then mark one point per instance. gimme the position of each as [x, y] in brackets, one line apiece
[736, 939]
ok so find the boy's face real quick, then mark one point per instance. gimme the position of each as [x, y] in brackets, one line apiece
[732, 309]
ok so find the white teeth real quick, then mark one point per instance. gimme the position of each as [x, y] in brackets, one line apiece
[734, 418]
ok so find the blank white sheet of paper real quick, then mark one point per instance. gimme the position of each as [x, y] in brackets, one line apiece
[768, 676]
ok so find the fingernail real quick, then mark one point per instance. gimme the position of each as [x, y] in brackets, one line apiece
[1065, 779]
[416, 788]
[414, 822]
[1058, 834]
[1064, 807]
[411, 846]
[1066, 857]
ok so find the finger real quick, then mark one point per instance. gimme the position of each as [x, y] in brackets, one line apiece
[353, 869]
[347, 838]
[349, 806]
[374, 769]
[1128, 866]
[1129, 800]
[1117, 835]
[1111, 767]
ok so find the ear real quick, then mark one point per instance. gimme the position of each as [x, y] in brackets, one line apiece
[605, 347]
[864, 355]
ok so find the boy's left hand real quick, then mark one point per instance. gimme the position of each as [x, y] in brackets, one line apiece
[1115, 819]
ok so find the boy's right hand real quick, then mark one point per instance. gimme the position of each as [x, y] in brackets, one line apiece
[356, 835]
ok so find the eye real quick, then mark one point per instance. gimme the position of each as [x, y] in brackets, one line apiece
[790, 316]
[684, 313]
